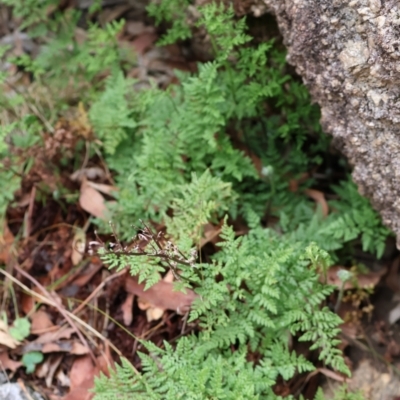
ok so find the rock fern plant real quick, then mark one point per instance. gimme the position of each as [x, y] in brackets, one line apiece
[260, 291]
[176, 161]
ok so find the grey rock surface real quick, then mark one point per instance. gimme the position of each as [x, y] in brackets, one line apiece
[13, 391]
[373, 380]
[348, 54]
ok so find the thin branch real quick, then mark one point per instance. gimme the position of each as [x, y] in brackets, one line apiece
[53, 303]
[59, 307]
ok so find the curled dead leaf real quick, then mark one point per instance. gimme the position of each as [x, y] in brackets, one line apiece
[154, 314]
[144, 41]
[101, 187]
[319, 197]
[162, 295]
[61, 333]
[62, 378]
[92, 201]
[7, 363]
[40, 322]
[210, 234]
[78, 349]
[27, 303]
[82, 379]
[127, 307]
[48, 368]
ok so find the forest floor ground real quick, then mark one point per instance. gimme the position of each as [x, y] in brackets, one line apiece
[47, 262]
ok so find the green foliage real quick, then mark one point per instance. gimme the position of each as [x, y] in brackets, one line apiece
[177, 158]
[342, 394]
[20, 329]
[197, 205]
[31, 359]
[355, 219]
[117, 119]
[268, 289]
[20, 134]
[183, 130]
[65, 55]
[172, 11]
[33, 13]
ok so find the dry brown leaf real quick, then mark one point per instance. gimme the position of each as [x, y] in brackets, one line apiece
[143, 42]
[43, 368]
[55, 363]
[361, 281]
[92, 201]
[62, 378]
[169, 277]
[78, 349]
[80, 393]
[40, 321]
[161, 295]
[24, 201]
[126, 308]
[319, 197]
[82, 368]
[5, 338]
[48, 368]
[154, 314]
[136, 28]
[6, 241]
[6, 363]
[78, 246]
[143, 305]
[82, 379]
[49, 337]
[27, 303]
[210, 234]
[101, 187]
[87, 275]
